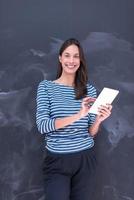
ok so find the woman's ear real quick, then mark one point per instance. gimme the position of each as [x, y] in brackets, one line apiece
[60, 58]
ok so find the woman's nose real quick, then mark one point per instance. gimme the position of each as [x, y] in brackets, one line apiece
[71, 60]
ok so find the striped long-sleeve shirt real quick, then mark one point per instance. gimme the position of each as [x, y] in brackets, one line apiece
[54, 101]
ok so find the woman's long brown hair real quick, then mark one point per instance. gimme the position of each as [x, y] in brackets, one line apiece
[81, 78]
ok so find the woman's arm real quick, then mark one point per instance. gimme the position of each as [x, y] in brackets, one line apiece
[45, 123]
[62, 122]
[94, 128]
[104, 113]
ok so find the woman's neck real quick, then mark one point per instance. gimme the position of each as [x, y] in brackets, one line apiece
[66, 80]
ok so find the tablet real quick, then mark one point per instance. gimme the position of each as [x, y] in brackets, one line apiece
[107, 95]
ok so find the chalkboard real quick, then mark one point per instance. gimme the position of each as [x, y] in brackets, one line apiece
[31, 33]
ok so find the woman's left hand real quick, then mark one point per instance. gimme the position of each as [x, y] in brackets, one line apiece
[104, 112]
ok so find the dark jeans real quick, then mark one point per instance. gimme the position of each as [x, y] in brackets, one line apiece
[69, 176]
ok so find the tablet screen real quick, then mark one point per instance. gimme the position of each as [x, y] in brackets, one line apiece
[107, 95]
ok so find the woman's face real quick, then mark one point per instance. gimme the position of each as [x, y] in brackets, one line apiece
[70, 59]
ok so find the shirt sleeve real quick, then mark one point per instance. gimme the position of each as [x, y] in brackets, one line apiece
[45, 123]
[91, 116]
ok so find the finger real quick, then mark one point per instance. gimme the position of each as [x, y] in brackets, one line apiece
[89, 98]
[92, 99]
[86, 98]
[104, 112]
[104, 109]
[109, 106]
[85, 104]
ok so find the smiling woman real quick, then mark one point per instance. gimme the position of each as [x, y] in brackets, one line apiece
[63, 116]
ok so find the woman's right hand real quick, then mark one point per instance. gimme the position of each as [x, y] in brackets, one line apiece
[85, 106]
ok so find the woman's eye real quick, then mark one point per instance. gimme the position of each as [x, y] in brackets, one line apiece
[66, 56]
[77, 56]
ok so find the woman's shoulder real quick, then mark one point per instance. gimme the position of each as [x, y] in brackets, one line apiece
[45, 82]
[90, 86]
[91, 89]
[44, 85]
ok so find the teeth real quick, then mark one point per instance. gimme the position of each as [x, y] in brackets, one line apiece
[70, 66]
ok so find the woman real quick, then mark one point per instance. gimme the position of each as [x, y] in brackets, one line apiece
[63, 116]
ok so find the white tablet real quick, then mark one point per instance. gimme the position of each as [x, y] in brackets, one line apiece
[107, 95]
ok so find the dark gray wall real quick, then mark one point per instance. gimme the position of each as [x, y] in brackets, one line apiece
[31, 32]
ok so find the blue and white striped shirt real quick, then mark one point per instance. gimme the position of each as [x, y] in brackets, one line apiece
[55, 100]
